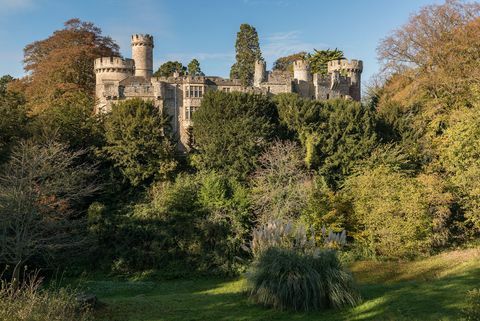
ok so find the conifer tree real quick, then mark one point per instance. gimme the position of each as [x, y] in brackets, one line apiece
[194, 68]
[247, 52]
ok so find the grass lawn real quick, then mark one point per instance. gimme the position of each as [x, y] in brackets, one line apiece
[429, 289]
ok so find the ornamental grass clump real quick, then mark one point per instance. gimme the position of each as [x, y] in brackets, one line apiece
[291, 272]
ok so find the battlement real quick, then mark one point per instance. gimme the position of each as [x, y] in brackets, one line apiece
[301, 65]
[106, 64]
[142, 40]
[344, 64]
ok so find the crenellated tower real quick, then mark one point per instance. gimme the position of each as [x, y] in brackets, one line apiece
[301, 70]
[109, 71]
[142, 54]
[352, 69]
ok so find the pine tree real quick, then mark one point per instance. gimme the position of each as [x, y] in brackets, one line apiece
[194, 68]
[248, 51]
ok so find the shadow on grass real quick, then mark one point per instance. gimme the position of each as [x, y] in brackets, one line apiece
[218, 299]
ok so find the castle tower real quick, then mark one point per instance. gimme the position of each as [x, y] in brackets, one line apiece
[301, 70]
[142, 53]
[260, 72]
[353, 69]
[108, 72]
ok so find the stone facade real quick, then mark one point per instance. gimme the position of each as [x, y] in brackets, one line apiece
[179, 96]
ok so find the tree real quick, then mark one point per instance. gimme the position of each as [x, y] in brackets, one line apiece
[61, 65]
[398, 215]
[286, 63]
[334, 133]
[168, 68]
[4, 80]
[43, 189]
[459, 156]
[248, 51]
[231, 130]
[434, 55]
[72, 122]
[137, 143]
[280, 184]
[13, 120]
[319, 59]
[194, 68]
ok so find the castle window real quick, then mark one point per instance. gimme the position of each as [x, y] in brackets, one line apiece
[186, 91]
[191, 91]
[226, 89]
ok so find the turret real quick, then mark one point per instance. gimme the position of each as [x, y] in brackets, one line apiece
[142, 53]
[353, 69]
[111, 69]
[301, 70]
[260, 72]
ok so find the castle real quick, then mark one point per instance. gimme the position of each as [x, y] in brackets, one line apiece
[179, 96]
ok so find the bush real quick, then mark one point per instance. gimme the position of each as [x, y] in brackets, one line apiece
[27, 301]
[397, 215]
[286, 279]
[472, 312]
[196, 224]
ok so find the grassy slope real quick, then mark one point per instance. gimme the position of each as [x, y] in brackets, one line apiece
[429, 289]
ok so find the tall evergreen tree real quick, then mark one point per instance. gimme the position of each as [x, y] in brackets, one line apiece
[194, 68]
[247, 52]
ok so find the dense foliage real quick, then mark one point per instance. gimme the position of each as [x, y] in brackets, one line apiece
[232, 130]
[137, 141]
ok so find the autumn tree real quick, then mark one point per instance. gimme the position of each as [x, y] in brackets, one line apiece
[62, 64]
[434, 54]
[247, 49]
[168, 68]
[194, 68]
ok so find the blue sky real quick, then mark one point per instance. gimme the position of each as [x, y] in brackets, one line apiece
[206, 30]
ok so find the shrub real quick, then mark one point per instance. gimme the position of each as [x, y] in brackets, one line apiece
[27, 301]
[472, 311]
[287, 279]
[398, 215]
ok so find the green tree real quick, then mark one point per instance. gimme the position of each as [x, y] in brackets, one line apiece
[460, 157]
[319, 59]
[398, 215]
[334, 133]
[13, 119]
[247, 49]
[286, 63]
[231, 130]
[4, 80]
[71, 121]
[167, 69]
[136, 142]
[194, 68]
